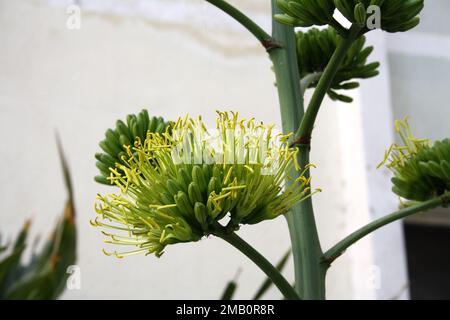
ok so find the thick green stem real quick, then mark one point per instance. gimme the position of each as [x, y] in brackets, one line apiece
[341, 246]
[282, 49]
[272, 272]
[313, 275]
[309, 279]
[313, 271]
[246, 22]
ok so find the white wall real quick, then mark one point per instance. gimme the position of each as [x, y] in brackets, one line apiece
[176, 58]
[420, 72]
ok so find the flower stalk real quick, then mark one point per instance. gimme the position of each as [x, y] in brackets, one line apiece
[307, 124]
[310, 273]
[338, 249]
[309, 279]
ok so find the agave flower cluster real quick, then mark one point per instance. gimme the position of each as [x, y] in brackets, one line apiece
[315, 47]
[395, 15]
[421, 169]
[181, 185]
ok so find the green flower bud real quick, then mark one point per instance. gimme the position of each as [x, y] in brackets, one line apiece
[306, 13]
[390, 15]
[360, 14]
[421, 170]
[288, 20]
[117, 142]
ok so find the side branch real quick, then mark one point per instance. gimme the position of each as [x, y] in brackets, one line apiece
[336, 251]
[307, 124]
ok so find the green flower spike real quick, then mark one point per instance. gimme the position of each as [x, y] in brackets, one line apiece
[422, 170]
[305, 13]
[395, 15]
[315, 48]
[117, 141]
[177, 187]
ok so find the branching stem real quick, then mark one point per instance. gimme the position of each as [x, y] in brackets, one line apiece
[336, 251]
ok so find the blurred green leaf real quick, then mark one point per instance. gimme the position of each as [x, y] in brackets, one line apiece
[45, 276]
[228, 293]
[230, 289]
[268, 282]
[7, 269]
